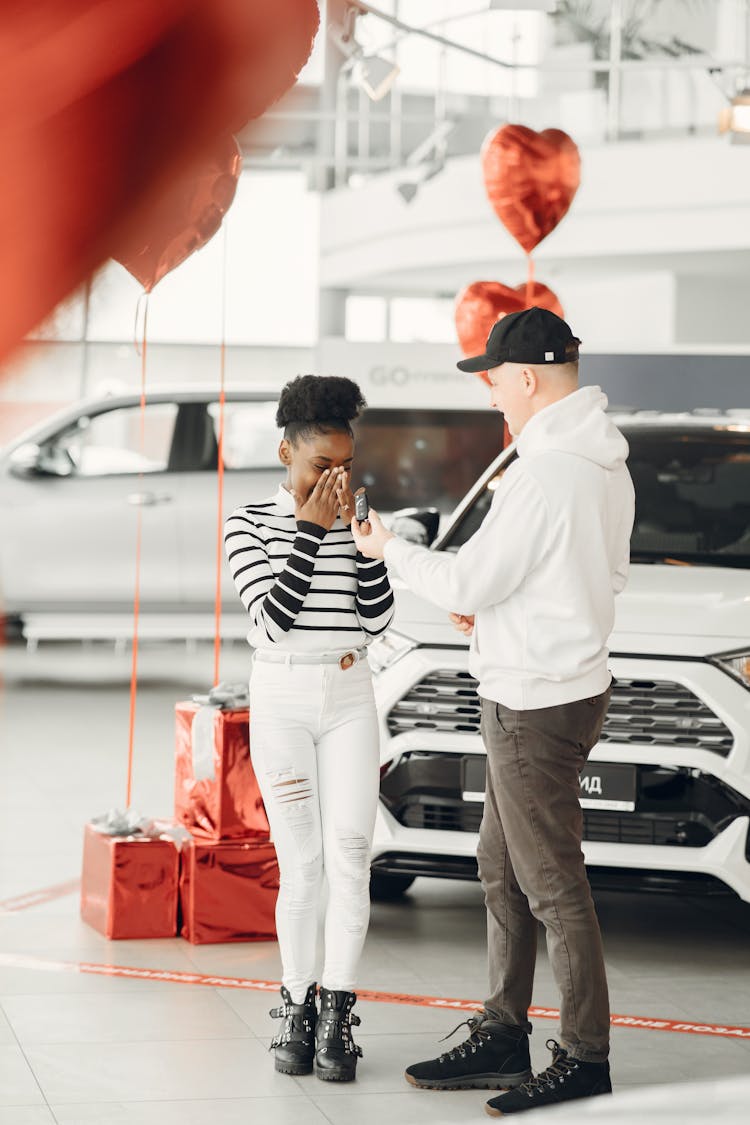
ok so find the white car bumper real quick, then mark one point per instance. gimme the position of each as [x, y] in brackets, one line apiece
[725, 857]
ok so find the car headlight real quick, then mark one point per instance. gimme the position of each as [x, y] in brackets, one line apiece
[387, 649]
[737, 664]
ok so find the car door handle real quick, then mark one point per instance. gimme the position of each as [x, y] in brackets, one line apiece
[148, 499]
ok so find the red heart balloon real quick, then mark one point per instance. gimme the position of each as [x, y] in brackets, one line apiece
[530, 179]
[482, 303]
[186, 217]
[110, 103]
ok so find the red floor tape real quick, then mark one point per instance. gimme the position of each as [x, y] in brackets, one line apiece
[37, 898]
[171, 976]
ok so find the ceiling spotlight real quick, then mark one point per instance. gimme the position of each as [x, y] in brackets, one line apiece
[414, 177]
[425, 161]
[375, 75]
[735, 118]
[371, 73]
[407, 190]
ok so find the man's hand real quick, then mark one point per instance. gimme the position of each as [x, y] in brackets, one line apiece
[372, 544]
[322, 505]
[464, 622]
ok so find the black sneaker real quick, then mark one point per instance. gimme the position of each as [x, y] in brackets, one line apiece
[567, 1078]
[494, 1057]
[294, 1043]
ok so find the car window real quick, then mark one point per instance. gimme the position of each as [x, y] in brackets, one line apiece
[472, 519]
[251, 437]
[109, 443]
[692, 496]
[424, 458]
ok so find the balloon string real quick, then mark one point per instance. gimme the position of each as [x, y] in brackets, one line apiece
[138, 538]
[220, 455]
[138, 332]
[529, 281]
[219, 522]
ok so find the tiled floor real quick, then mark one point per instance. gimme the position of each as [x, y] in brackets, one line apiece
[77, 1048]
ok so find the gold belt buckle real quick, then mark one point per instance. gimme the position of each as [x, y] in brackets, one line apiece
[347, 660]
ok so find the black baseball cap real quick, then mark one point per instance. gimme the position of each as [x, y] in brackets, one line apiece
[530, 336]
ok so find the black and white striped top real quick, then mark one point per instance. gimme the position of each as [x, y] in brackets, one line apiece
[306, 589]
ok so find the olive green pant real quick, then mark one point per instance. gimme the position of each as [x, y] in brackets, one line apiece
[531, 867]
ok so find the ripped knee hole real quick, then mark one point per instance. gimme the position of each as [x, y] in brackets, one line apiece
[288, 787]
[356, 849]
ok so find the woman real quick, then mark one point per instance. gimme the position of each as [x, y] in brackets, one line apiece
[314, 604]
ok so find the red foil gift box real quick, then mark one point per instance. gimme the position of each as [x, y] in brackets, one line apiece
[216, 791]
[130, 885]
[228, 891]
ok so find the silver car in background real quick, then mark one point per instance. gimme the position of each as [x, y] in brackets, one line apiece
[71, 486]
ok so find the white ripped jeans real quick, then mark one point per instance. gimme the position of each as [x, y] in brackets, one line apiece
[315, 750]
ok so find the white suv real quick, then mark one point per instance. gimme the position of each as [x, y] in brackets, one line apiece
[666, 793]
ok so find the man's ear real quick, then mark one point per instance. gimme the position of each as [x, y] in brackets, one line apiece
[285, 452]
[530, 380]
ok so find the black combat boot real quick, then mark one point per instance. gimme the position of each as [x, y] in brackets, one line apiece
[294, 1042]
[564, 1080]
[494, 1057]
[337, 1053]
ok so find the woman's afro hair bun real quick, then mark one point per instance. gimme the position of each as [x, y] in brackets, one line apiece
[310, 400]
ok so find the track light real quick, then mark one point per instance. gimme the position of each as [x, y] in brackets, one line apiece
[426, 161]
[375, 75]
[407, 190]
[413, 179]
[371, 73]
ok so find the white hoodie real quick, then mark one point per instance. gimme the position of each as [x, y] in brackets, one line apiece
[541, 572]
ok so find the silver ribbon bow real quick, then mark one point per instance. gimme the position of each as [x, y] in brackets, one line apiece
[222, 697]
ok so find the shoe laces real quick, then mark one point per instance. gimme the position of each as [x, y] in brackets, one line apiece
[560, 1068]
[477, 1036]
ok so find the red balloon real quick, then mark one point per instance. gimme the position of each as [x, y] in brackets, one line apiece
[483, 303]
[186, 216]
[103, 105]
[530, 179]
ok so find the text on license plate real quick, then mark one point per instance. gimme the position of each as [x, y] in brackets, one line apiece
[604, 785]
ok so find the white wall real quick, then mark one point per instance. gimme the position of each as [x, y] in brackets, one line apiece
[615, 312]
[672, 377]
[644, 216]
[634, 199]
[716, 305]
[390, 374]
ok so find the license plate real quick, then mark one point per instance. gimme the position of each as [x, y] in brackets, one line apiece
[608, 785]
[604, 785]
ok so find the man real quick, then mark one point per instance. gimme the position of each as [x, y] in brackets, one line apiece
[534, 589]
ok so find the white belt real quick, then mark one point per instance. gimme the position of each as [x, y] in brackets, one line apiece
[344, 660]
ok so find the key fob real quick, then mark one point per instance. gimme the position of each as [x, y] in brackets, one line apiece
[361, 506]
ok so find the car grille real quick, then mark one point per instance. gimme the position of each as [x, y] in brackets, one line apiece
[450, 816]
[617, 828]
[674, 805]
[641, 712]
[604, 827]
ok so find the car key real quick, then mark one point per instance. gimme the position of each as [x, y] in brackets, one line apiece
[361, 506]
